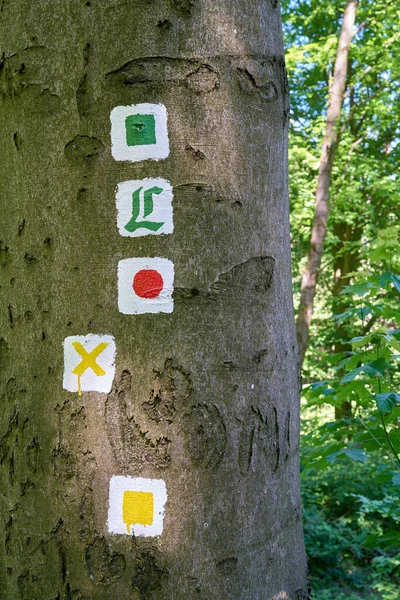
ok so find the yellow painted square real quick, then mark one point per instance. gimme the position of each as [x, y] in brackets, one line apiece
[137, 508]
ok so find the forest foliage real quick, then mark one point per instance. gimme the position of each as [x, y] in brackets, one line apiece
[351, 391]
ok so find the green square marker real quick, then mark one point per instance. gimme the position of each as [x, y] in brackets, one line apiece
[140, 130]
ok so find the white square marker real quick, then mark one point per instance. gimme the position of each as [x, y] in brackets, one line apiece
[145, 285]
[144, 207]
[136, 506]
[139, 132]
[89, 363]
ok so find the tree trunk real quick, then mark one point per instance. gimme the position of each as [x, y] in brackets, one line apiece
[177, 477]
[322, 208]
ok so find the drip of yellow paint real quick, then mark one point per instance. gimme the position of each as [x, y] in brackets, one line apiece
[79, 385]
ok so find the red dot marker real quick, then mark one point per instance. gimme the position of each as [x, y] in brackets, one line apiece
[147, 283]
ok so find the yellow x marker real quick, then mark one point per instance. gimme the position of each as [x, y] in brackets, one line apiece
[88, 361]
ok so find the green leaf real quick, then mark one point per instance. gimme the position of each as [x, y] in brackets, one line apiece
[385, 402]
[396, 479]
[356, 454]
[359, 289]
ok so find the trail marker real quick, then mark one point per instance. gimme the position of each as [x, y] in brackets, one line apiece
[144, 207]
[136, 506]
[89, 363]
[139, 132]
[145, 285]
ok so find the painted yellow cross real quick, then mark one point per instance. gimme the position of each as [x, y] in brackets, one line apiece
[88, 361]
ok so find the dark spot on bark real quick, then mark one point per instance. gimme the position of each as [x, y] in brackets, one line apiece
[203, 80]
[82, 99]
[11, 390]
[84, 150]
[69, 323]
[12, 281]
[86, 54]
[64, 463]
[43, 336]
[181, 294]
[32, 454]
[10, 315]
[30, 259]
[26, 486]
[149, 574]
[48, 242]
[205, 435]
[82, 195]
[196, 154]
[227, 565]
[169, 396]
[259, 356]
[164, 25]
[4, 354]
[184, 7]
[17, 141]
[28, 316]
[4, 254]
[103, 563]
[237, 205]
[29, 585]
[21, 228]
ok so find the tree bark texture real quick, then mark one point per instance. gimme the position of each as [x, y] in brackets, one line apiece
[205, 398]
[322, 207]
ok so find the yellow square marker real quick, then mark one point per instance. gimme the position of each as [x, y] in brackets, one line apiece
[137, 508]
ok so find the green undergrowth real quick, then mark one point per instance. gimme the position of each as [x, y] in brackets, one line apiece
[352, 531]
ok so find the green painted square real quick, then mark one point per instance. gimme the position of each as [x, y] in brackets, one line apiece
[140, 130]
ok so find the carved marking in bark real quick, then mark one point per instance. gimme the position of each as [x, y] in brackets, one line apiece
[263, 434]
[131, 444]
[103, 563]
[205, 435]
[247, 281]
[169, 396]
[199, 77]
[253, 278]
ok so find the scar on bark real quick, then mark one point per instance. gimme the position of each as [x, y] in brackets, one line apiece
[247, 281]
[205, 435]
[84, 150]
[131, 444]
[197, 76]
[103, 563]
[172, 388]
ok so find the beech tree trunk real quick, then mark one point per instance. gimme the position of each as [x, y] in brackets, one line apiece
[322, 206]
[205, 397]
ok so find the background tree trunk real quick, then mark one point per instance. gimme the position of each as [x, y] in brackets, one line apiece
[205, 398]
[322, 208]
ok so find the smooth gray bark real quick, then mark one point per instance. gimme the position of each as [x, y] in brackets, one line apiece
[205, 398]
